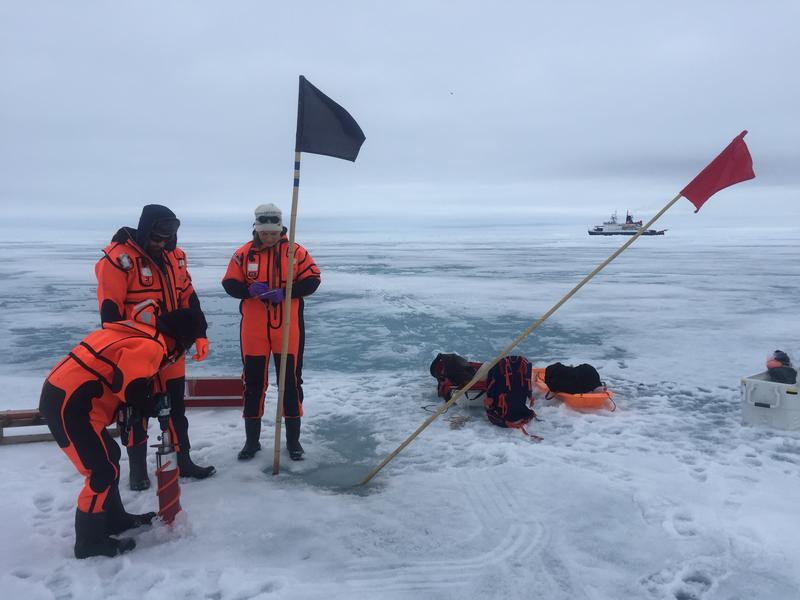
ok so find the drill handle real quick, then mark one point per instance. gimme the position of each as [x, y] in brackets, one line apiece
[163, 409]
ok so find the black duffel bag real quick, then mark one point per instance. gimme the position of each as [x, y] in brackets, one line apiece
[572, 380]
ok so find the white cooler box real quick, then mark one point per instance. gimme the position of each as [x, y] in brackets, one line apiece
[770, 404]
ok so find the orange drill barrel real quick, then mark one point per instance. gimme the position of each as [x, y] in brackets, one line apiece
[169, 490]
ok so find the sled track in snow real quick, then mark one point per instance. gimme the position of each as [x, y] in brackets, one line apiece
[494, 502]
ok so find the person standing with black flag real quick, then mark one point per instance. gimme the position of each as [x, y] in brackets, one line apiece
[263, 274]
[323, 127]
[141, 265]
[257, 275]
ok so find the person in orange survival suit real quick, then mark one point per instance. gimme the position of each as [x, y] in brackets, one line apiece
[257, 275]
[146, 264]
[83, 394]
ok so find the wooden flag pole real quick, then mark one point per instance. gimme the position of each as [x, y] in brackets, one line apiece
[481, 373]
[287, 306]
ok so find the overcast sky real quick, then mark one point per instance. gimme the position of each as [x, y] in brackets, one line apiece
[516, 108]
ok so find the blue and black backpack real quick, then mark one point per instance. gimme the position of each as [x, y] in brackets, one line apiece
[509, 393]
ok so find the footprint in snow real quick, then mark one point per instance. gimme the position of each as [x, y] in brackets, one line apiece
[683, 524]
[44, 502]
[693, 586]
[686, 583]
[699, 474]
[60, 584]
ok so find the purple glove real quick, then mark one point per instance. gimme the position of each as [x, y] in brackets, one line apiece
[256, 289]
[273, 296]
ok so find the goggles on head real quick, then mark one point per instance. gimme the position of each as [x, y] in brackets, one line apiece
[165, 228]
[268, 219]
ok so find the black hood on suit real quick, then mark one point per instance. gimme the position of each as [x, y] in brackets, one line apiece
[151, 215]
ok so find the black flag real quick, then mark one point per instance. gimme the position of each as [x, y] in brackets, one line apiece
[324, 127]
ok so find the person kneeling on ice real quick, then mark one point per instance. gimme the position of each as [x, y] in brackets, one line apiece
[82, 395]
[257, 275]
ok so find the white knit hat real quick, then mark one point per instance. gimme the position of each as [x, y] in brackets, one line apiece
[268, 218]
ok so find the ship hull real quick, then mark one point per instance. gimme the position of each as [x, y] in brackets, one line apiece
[648, 232]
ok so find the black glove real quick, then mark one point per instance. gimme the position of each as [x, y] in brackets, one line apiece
[139, 396]
[161, 405]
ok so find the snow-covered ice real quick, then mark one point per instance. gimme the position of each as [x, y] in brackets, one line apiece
[668, 497]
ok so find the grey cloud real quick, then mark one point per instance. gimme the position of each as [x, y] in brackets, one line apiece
[108, 105]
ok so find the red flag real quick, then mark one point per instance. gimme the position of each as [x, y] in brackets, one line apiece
[733, 165]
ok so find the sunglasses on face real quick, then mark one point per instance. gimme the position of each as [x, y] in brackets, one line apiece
[268, 219]
[155, 237]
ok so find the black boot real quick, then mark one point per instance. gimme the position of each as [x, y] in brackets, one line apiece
[91, 538]
[293, 439]
[252, 428]
[137, 457]
[119, 519]
[188, 469]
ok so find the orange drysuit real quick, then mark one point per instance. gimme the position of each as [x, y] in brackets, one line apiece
[261, 330]
[127, 276]
[82, 394]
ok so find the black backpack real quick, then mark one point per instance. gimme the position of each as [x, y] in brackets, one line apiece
[572, 380]
[454, 367]
[451, 371]
[508, 391]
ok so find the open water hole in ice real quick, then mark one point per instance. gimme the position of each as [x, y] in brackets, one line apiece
[350, 451]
